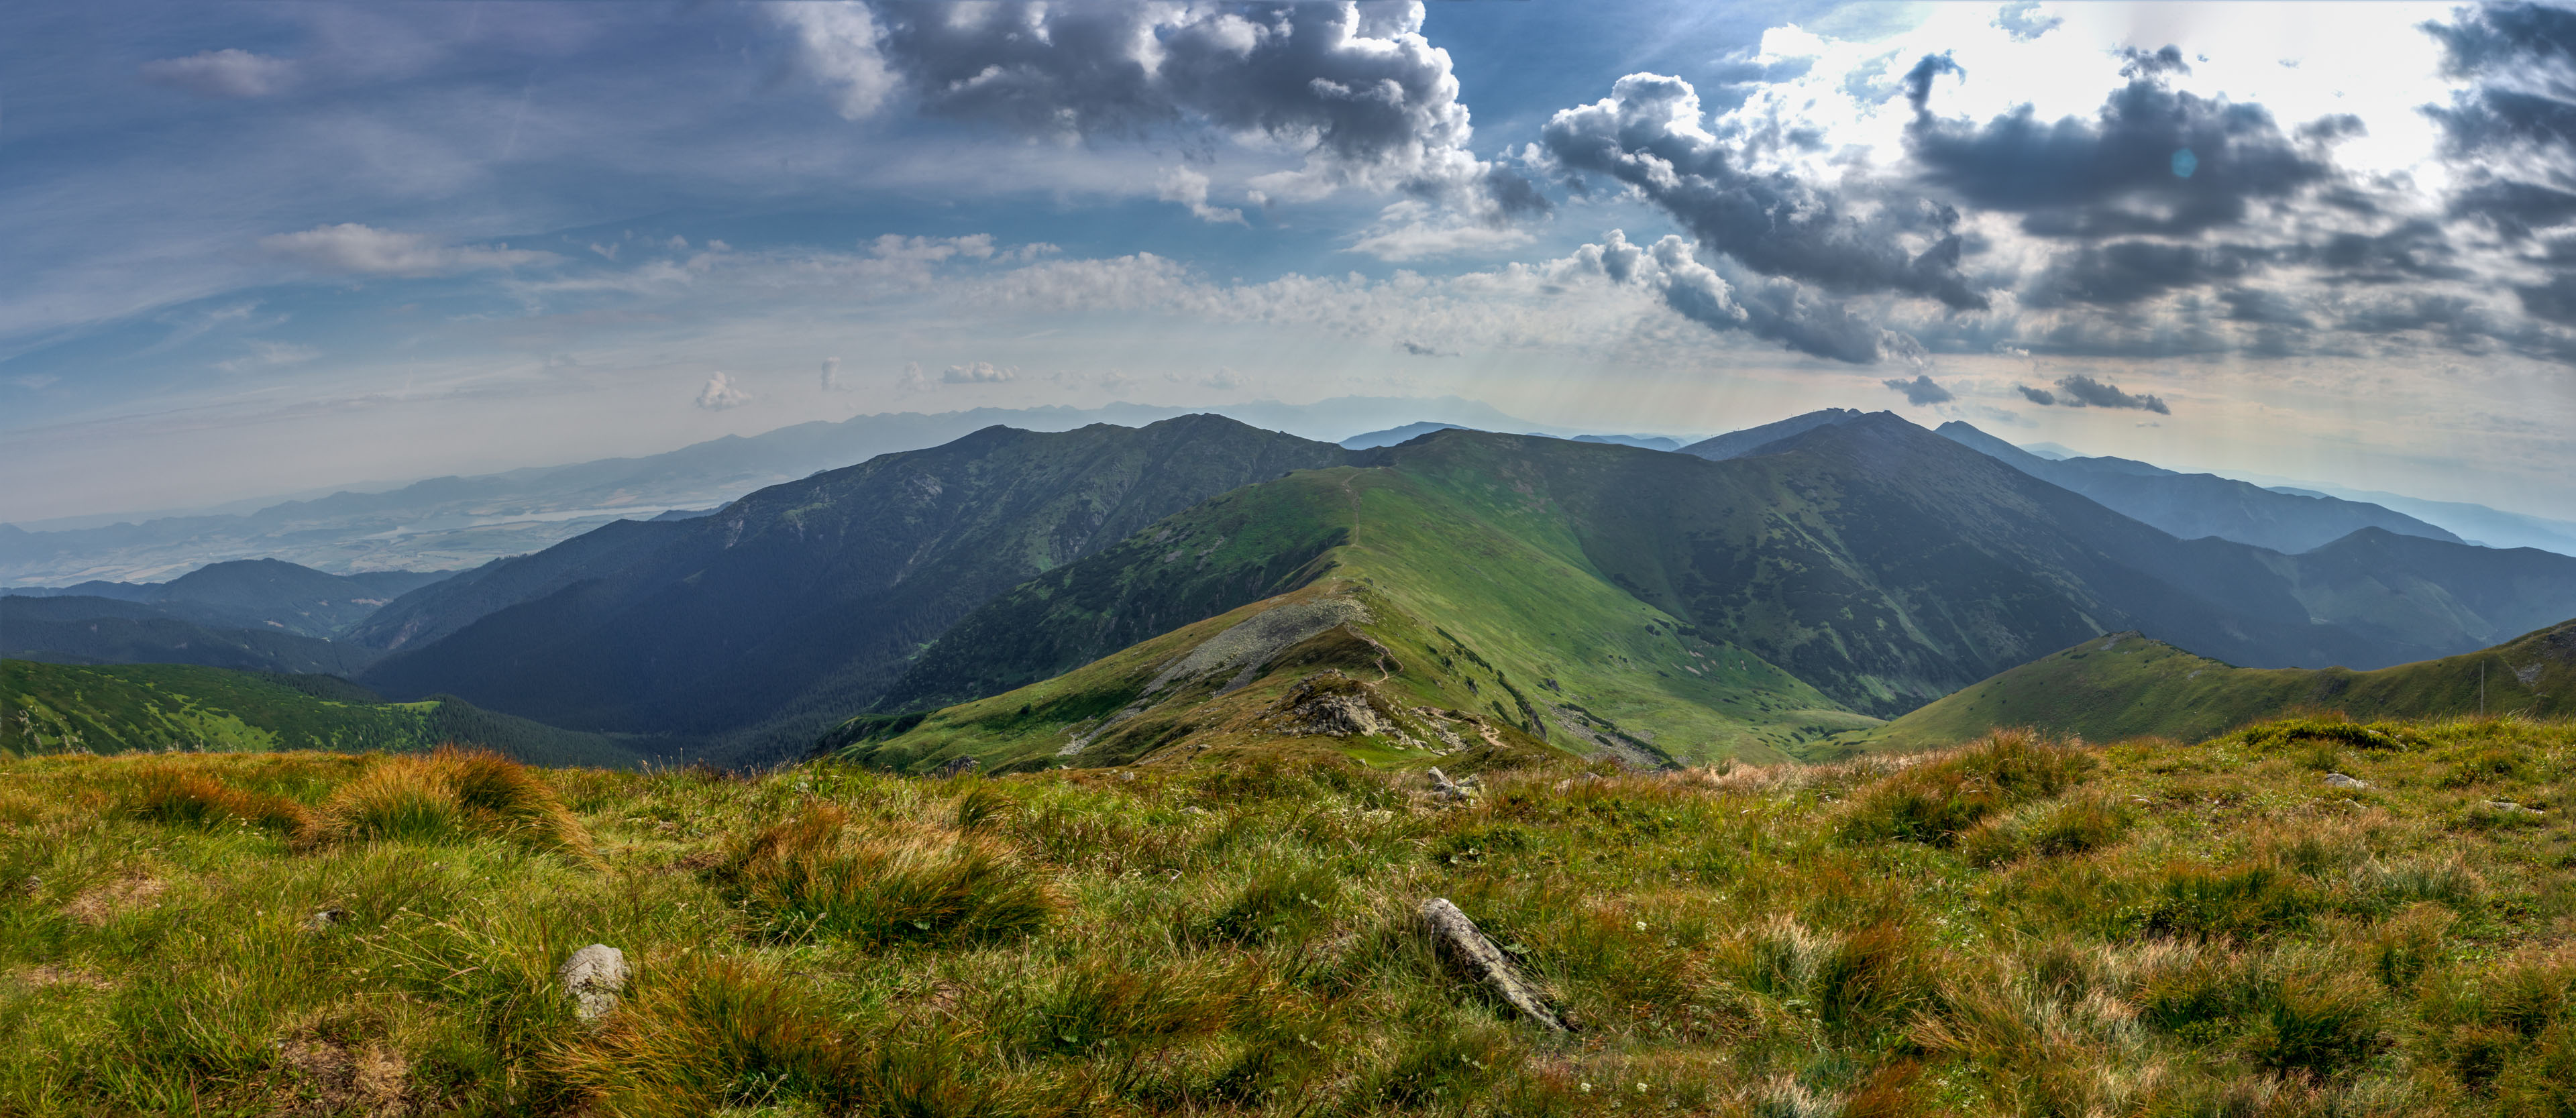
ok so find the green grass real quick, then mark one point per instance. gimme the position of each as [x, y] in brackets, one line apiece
[2125, 685]
[2146, 928]
[52, 708]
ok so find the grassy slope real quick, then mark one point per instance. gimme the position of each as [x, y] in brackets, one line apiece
[1477, 597]
[2181, 929]
[47, 708]
[2125, 685]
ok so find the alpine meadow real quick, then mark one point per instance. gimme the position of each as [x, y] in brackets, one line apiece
[1288, 558]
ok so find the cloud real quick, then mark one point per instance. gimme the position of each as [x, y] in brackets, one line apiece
[1921, 391]
[978, 372]
[356, 249]
[221, 73]
[2152, 160]
[1190, 188]
[1650, 134]
[2023, 21]
[2081, 390]
[721, 393]
[1357, 91]
[267, 354]
[837, 44]
[832, 375]
[1772, 309]
[36, 382]
[1225, 379]
[1412, 230]
[1419, 350]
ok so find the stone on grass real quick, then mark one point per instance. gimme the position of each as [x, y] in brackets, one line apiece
[593, 976]
[1466, 947]
[2339, 780]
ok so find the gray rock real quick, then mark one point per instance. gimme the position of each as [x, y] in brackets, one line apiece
[955, 766]
[2339, 780]
[323, 919]
[593, 977]
[1465, 946]
[2509, 806]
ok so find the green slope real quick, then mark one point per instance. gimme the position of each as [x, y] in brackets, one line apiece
[2125, 685]
[52, 708]
[1456, 611]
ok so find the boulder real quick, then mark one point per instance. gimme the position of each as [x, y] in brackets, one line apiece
[2339, 780]
[1465, 947]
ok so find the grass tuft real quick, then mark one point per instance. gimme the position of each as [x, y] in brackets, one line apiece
[1937, 800]
[173, 795]
[452, 795]
[818, 875]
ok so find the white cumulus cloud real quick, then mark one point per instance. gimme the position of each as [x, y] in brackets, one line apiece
[721, 392]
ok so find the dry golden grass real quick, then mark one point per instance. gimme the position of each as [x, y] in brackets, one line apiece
[448, 795]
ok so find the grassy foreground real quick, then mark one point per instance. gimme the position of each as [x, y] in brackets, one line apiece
[2012, 927]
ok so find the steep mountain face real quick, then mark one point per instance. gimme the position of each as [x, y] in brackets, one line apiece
[2190, 506]
[2407, 589]
[255, 593]
[2126, 685]
[810, 596]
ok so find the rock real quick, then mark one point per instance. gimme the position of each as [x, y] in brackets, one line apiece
[1465, 946]
[955, 766]
[2509, 806]
[1328, 704]
[592, 977]
[325, 918]
[2339, 780]
[1442, 788]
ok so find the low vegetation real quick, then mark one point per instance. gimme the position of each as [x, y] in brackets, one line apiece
[2018, 926]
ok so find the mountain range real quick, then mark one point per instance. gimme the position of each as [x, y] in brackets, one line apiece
[456, 522]
[1030, 598]
[1879, 564]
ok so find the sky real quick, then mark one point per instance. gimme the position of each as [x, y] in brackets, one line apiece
[261, 248]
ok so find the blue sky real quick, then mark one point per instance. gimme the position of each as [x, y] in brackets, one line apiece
[262, 248]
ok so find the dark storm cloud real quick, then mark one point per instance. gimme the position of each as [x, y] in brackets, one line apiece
[2152, 161]
[2125, 272]
[1650, 134]
[1370, 101]
[2040, 396]
[1920, 391]
[2137, 63]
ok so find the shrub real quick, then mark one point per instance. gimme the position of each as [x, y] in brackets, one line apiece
[819, 875]
[196, 799]
[448, 796]
[1936, 801]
